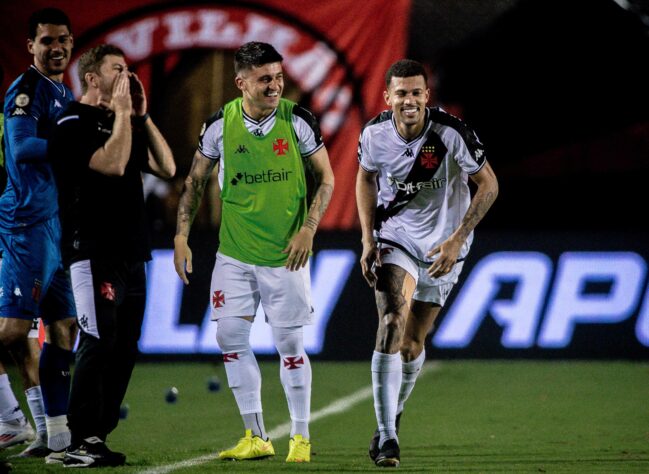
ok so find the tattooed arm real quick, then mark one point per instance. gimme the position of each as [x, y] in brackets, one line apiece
[482, 200]
[300, 246]
[190, 200]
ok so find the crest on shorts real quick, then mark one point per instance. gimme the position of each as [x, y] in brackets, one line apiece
[218, 299]
[108, 291]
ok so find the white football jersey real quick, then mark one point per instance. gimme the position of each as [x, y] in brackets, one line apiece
[423, 183]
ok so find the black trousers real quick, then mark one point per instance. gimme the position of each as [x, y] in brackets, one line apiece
[110, 298]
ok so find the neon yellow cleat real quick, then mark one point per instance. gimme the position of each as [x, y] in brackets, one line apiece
[299, 449]
[249, 447]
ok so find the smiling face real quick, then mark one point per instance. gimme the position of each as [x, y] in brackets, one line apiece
[51, 48]
[262, 88]
[407, 96]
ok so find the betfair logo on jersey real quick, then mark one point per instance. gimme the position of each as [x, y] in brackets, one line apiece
[268, 176]
[411, 187]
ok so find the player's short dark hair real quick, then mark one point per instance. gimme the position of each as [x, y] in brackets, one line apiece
[405, 68]
[47, 16]
[255, 54]
[91, 60]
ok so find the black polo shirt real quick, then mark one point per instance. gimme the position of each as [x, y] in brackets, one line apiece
[102, 217]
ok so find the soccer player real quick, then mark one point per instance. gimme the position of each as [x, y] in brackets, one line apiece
[14, 427]
[98, 150]
[32, 278]
[262, 144]
[417, 219]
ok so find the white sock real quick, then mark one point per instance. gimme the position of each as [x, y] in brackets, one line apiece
[386, 381]
[255, 423]
[58, 434]
[242, 370]
[9, 407]
[35, 402]
[295, 374]
[410, 372]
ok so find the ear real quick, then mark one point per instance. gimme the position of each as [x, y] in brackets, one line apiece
[386, 97]
[240, 83]
[30, 45]
[71, 41]
[91, 80]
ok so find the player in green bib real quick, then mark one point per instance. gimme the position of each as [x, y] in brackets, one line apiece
[262, 145]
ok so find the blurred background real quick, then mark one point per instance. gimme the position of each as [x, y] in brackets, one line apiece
[557, 90]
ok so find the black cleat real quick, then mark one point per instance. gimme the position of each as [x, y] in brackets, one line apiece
[92, 452]
[389, 454]
[374, 443]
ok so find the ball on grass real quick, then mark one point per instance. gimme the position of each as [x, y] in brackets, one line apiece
[213, 384]
[172, 395]
[123, 411]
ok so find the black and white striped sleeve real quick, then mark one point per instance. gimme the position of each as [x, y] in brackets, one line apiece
[307, 131]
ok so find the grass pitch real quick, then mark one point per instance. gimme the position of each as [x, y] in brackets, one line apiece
[463, 416]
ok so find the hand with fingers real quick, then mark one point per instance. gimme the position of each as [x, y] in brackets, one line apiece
[447, 253]
[370, 259]
[182, 258]
[138, 96]
[120, 100]
[299, 249]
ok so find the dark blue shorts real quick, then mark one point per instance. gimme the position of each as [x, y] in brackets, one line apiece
[32, 279]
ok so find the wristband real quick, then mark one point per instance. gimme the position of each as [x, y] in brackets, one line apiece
[140, 120]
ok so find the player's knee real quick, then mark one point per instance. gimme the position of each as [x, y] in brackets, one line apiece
[392, 323]
[233, 334]
[13, 330]
[410, 349]
[62, 333]
[288, 340]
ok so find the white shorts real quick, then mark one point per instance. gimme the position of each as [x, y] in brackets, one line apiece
[237, 288]
[432, 290]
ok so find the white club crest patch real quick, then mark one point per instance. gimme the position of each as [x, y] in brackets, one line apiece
[22, 100]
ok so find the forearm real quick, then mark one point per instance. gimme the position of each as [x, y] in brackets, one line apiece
[25, 145]
[366, 199]
[161, 160]
[112, 158]
[480, 204]
[319, 205]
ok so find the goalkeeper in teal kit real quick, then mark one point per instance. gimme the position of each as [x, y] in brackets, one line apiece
[262, 145]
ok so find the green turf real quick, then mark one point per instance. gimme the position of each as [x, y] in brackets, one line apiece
[463, 416]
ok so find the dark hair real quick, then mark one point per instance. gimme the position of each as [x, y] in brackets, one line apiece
[405, 68]
[91, 60]
[255, 54]
[47, 16]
